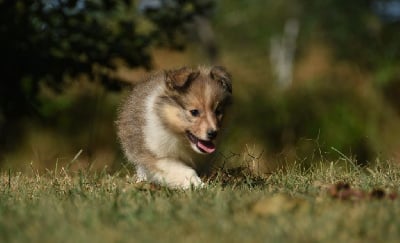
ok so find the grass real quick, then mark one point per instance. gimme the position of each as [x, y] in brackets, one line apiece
[295, 205]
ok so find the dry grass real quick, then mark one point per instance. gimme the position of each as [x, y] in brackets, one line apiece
[236, 206]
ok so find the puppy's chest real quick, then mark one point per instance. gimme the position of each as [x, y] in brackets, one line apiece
[164, 143]
[158, 139]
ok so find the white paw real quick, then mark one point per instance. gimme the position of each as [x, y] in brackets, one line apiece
[192, 182]
[177, 175]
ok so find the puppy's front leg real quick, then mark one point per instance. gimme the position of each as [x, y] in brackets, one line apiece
[175, 174]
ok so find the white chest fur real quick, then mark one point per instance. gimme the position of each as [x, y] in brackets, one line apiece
[160, 141]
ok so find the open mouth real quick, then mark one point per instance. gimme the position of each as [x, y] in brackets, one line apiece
[202, 145]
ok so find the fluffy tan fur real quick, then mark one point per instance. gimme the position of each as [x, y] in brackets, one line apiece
[168, 124]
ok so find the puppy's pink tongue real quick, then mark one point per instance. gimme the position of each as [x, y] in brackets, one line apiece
[208, 147]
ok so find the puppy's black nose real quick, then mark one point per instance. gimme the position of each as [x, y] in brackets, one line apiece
[211, 133]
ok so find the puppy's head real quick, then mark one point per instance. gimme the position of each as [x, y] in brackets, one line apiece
[196, 102]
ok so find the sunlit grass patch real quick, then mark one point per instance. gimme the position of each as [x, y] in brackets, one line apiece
[289, 205]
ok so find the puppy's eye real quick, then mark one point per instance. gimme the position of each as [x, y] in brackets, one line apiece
[195, 112]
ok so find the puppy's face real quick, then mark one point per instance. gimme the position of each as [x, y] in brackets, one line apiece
[197, 99]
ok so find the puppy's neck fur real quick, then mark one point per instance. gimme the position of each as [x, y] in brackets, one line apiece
[159, 138]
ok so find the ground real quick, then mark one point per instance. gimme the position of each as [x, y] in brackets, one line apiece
[329, 202]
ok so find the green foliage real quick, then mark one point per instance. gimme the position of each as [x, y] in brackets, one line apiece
[355, 30]
[313, 120]
[172, 19]
[50, 41]
[352, 112]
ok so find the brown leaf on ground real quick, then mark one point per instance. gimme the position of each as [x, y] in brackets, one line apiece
[378, 193]
[343, 191]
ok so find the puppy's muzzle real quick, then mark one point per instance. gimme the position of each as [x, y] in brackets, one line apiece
[211, 134]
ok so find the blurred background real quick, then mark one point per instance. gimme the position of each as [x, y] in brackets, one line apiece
[313, 80]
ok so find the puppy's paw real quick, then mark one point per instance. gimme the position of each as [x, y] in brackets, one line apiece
[192, 182]
[177, 175]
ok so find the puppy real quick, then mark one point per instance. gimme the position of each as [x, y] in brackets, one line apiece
[171, 120]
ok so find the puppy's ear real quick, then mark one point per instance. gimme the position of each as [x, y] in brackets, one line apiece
[220, 74]
[180, 79]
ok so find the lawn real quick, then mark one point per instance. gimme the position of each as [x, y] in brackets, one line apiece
[330, 202]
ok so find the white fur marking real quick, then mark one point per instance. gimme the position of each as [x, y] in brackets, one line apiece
[159, 140]
[174, 174]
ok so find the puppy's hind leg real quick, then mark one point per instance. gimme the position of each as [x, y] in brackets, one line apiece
[175, 174]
